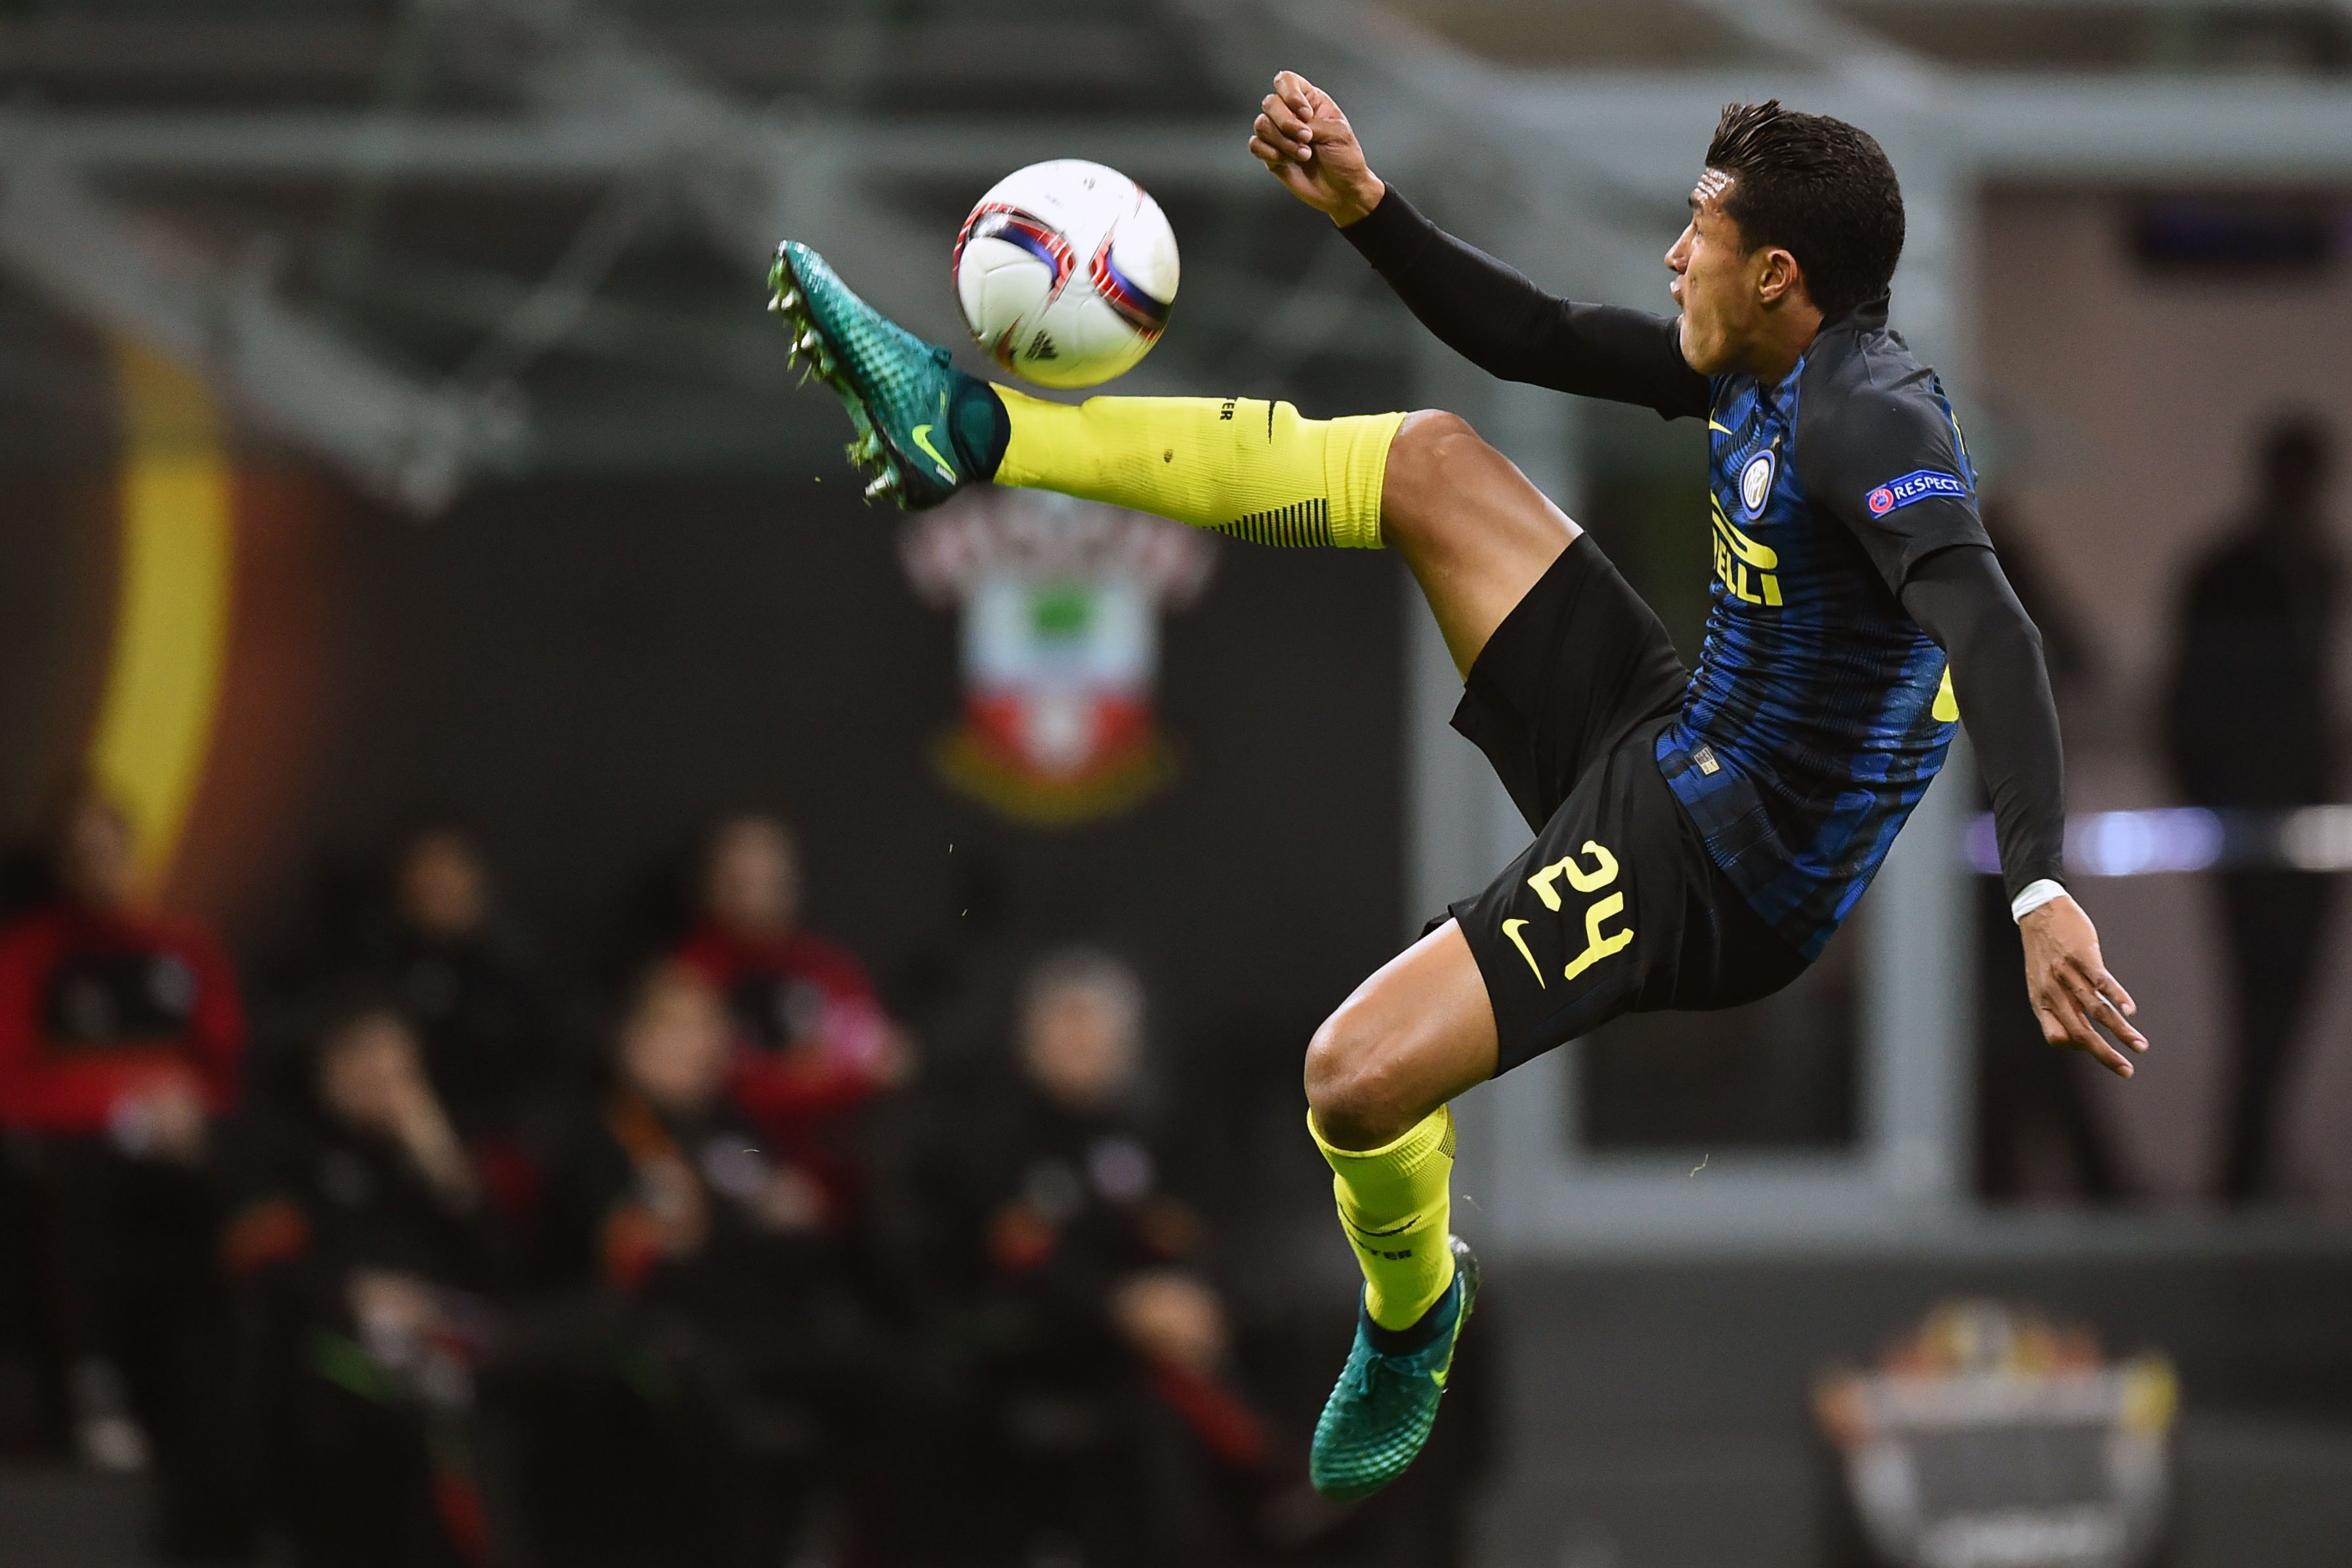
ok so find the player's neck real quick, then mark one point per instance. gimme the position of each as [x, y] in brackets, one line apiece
[1780, 341]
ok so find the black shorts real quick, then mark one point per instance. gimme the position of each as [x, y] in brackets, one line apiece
[1617, 906]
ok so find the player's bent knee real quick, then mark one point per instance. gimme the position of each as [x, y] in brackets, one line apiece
[1353, 1084]
[1424, 466]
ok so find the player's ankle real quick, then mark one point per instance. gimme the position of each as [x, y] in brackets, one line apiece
[980, 426]
[1436, 1318]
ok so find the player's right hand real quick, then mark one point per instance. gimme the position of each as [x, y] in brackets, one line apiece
[1307, 145]
[2074, 996]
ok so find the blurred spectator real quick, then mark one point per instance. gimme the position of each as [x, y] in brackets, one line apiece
[2251, 725]
[812, 1042]
[119, 1039]
[361, 1247]
[689, 1417]
[478, 996]
[1109, 1428]
[2027, 1089]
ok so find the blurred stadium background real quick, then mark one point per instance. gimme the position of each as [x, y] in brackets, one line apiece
[393, 435]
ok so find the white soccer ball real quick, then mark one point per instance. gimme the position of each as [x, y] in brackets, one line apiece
[1066, 271]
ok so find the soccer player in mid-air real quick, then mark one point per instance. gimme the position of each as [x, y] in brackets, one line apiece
[1699, 834]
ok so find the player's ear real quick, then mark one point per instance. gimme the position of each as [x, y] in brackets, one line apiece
[1778, 278]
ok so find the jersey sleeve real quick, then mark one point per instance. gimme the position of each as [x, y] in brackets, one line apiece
[1493, 317]
[1888, 464]
[1962, 599]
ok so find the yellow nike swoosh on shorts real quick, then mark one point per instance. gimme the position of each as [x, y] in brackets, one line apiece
[923, 434]
[1511, 929]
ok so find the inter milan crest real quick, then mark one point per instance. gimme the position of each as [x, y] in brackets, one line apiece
[1061, 601]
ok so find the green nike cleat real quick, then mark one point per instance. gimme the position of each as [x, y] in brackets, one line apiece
[903, 394]
[1380, 1413]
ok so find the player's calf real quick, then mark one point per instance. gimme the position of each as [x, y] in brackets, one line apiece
[1377, 1076]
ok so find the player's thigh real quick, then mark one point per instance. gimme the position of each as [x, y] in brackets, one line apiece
[1611, 910]
[1415, 1035]
[1475, 532]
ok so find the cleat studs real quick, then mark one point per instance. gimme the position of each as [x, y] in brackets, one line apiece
[808, 341]
[789, 299]
[885, 484]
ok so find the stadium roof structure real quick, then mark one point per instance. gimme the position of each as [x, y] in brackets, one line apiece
[413, 238]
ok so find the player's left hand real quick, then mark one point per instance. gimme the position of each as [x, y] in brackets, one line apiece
[2073, 994]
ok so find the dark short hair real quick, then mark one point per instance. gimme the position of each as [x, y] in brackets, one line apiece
[1818, 188]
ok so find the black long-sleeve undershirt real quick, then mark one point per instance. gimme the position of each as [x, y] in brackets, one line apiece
[1493, 317]
[1961, 598]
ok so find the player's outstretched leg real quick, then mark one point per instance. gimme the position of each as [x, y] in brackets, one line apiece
[1378, 1078]
[1477, 535]
[1241, 466]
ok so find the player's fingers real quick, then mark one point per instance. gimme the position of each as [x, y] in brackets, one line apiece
[2087, 1039]
[1287, 119]
[1297, 91]
[1275, 136]
[2064, 1024]
[2107, 1057]
[2093, 997]
[2114, 992]
[2083, 1037]
[1282, 166]
[2117, 1022]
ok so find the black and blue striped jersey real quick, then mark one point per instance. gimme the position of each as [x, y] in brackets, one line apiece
[1819, 710]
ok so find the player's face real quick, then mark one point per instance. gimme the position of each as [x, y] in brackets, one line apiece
[1715, 282]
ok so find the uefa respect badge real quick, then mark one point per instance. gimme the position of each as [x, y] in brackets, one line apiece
[1060, 601]
[1918, 485]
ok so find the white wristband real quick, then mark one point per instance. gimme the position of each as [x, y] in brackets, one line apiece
[2033, 896]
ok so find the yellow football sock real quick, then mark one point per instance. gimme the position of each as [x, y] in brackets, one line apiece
[1396, 1206]
[1242, 466]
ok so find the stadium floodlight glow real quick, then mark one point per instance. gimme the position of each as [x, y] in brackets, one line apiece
[2171, 840]
[2144, 842]
[2317, 839]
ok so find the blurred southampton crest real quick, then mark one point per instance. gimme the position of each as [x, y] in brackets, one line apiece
[1061, 601]
[1994, 1438]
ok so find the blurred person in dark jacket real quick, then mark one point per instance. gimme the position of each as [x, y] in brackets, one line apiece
[480, 999]
[1109, 1430]
[813, 1043]
[363, 1255]
[120, 1036]
[693, 1411]
[2251, 725]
